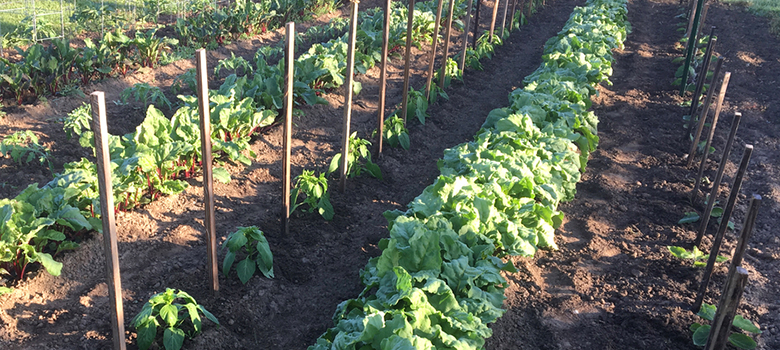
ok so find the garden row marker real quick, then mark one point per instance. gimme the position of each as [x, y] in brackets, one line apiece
[701, 116]
[434, 42]
[709, 136]
[701, 78]
[383, 78]
[476, 25]
[493, 20]
[289, 67]
[208, 179]
[348, 93]
[727, 309]
[466, 37]
[691, 48]
[503, 22]
[718, 178]
[405, 98]
[98, 101]
[718, 239]
[446, 45]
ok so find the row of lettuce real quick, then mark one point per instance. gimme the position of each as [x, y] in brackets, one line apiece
[438, 283]
[41, 222]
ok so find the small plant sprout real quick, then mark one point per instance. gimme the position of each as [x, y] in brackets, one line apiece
[738, 339]
[250, 242]
[359, 160]
[175, 313]
[698, 257]
[315, 192]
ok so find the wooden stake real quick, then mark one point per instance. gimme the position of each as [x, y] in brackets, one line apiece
[289, 67]
[208, 179]
[718, 239]
[476, 26]
[503, 22]
[701, 118]
[446, 45]
[434, 43]
[727, 309]
[405, 98]
[699, 87]
[512, 16]
[348, 93]
[691, 48]
[704, 16]
[98, 101]
[466, 37]
[718, 178]
[709, 136]
[383, 78]
[493, 20]
[691, 13]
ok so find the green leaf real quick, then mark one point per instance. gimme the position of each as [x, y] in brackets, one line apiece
[4, 290]
[173, 338]
[374, 170]
[745, 324]
[716, 212]
[700, 335]
[227, 263]
[221, 175]
[245, 268]
[170, 314]
[742, 341]
[334, 164]
[690, 217]
[51, 266]
[707, 311]
[403, 139]
[208, 314]
[680, 252]
[146, 334]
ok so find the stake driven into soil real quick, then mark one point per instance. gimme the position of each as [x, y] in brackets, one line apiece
[289, 67]
[383, 77]
[407, 53]
[348, 95]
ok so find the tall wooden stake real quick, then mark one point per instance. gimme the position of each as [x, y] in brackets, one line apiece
[747, 231]
[348, 93]
[709, 136]
[208, 179]
[476, 25]
[512, 16]
[727, 309]
[691, 48]
[405, 98]
[466, 37]
[705, 219]
[718, 239]
[446, 45]
[434, 43]
[289, 67]
[701, 119]
[98, 101]
[493, 20]
[503, 22]
[383, 77]
[699, 86]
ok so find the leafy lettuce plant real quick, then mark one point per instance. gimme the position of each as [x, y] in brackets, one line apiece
[315, 194]
[740, 340]
[250, 242]
[173, 313]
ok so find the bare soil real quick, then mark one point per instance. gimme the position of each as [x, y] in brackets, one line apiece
[612, 284]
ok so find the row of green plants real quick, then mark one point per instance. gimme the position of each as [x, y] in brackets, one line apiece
[438, 283]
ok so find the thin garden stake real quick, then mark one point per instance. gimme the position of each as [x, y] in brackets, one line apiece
[727, 309]
[476, 26]
[348, 95]
[701, 119]
[466, 37]
[691, 48]
[747, 231]
[503, 22]
[718, 239]
[289, 67]
[691, 13]
[405, 98]
[98, 101]
[704, 16]
[512, 16]
[383, 77]
[702, 77]
[443, 68]
[208, 180]
[434, 43]
[493, 19]
[705, 218]
[709, 137]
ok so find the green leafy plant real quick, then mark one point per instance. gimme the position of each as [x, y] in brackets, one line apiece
[234, 63]
[418, 105]
[395, 133]
[146, 94]
[315, 194]
[173, 313]
[23, 147]
[359, 159]
[77, 122]
[697, 256]
[740, 340]
[250, 242]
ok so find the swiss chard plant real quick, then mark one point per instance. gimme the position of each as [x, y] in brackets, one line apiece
[250, 243]
[739, 339]
[170, 317]
[146, 94]
[23, 148]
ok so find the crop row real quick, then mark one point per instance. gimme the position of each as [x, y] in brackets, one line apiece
[42, 221]
[438, 283]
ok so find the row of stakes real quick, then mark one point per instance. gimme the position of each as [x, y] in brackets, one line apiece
[737, 276]
[98, 124]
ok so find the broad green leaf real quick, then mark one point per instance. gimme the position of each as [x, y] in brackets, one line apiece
[742, 341]
[51, 266]
[173, 338]
[690, 217]
[170, 314]
[245, 269]
[192, 309]
[227, 263]
[716, 212]
[374, 170]
[334, 164]
[208, 314]
[680, 252]
[745, 324]
[265, 259]
[707, 311]
[146, 334]
[403, 139]
[221, 175]
[700, 335]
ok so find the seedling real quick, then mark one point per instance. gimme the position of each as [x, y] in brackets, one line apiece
[23, 148]
[740, 340]
[163, 310]
[315, 191]
[395, 133]
[359, 160]
[252, 243]
[698, 257]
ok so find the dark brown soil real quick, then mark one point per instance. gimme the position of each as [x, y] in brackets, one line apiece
[612, 284]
